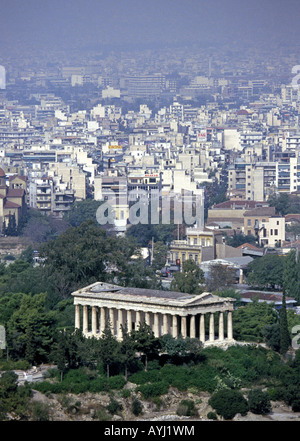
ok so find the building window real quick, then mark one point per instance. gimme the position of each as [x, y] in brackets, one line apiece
[195, 241]
[276, 232]
[203, 242]
[183, 257]
[249, 222]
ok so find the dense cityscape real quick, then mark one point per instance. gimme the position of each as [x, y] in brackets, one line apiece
[149, 225]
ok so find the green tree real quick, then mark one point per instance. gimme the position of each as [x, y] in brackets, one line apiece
[11, 228]
[127, 350]
[136, 407]
[180, 349]
[14, 399]
[81, 211]
[27, 255]
[85, 255]
[239, 239]
[109, 349]
[280, 202]
[271, 334]
[285, 339]
[259, 402]
[30, 329]
[189, 280]
[285, 204]
[60, 353]
[266, 272]
[250, 320]
[145, 341]
[160, 252]
[145, 233]
[291, 275]
[229, 402]
[220, 277]
[76, 258]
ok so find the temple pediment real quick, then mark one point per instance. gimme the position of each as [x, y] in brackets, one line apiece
[205, 297]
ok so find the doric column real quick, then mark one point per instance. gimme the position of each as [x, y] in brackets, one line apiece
[165, 324]
[221, 326]
[77, 316]
[202, 328]
[119, 323]
[193, 327]
[156, 324]
[147, 319]
[229, 326]
[138, 318]
[211, 327]
[183, 326]
[94, 320]
[129, 321]
[102, 319]
[112, 320]
[174, 326]
[85, 320]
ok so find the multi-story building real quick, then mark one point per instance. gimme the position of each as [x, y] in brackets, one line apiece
[12, 200]
[41, 195]
[198, 246]
[231, 213]
[265, 225]
[141, 86]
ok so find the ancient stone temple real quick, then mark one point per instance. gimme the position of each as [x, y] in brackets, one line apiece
[166, 312]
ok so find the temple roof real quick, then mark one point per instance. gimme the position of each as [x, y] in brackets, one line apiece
[105, 291]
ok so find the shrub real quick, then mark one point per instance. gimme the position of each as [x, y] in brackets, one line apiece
[102, 415]
[114, 406]
[152, 365]
[296, 405]
[146, 377]
[99, 385]
[212, 416]
[259, 402]
[14, 365]
[40, 412]
[116, 382]
[153, 389]
[228, 402]
[137, 407]
[186, 408]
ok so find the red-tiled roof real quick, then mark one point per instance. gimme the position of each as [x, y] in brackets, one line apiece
[289, 217]
[15, 192]
[249, 246]
[2, 173]
[10, 204]
[238, 203]
[24, 178]
[261, 211]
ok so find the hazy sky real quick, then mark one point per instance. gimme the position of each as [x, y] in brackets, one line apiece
[78, 23]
